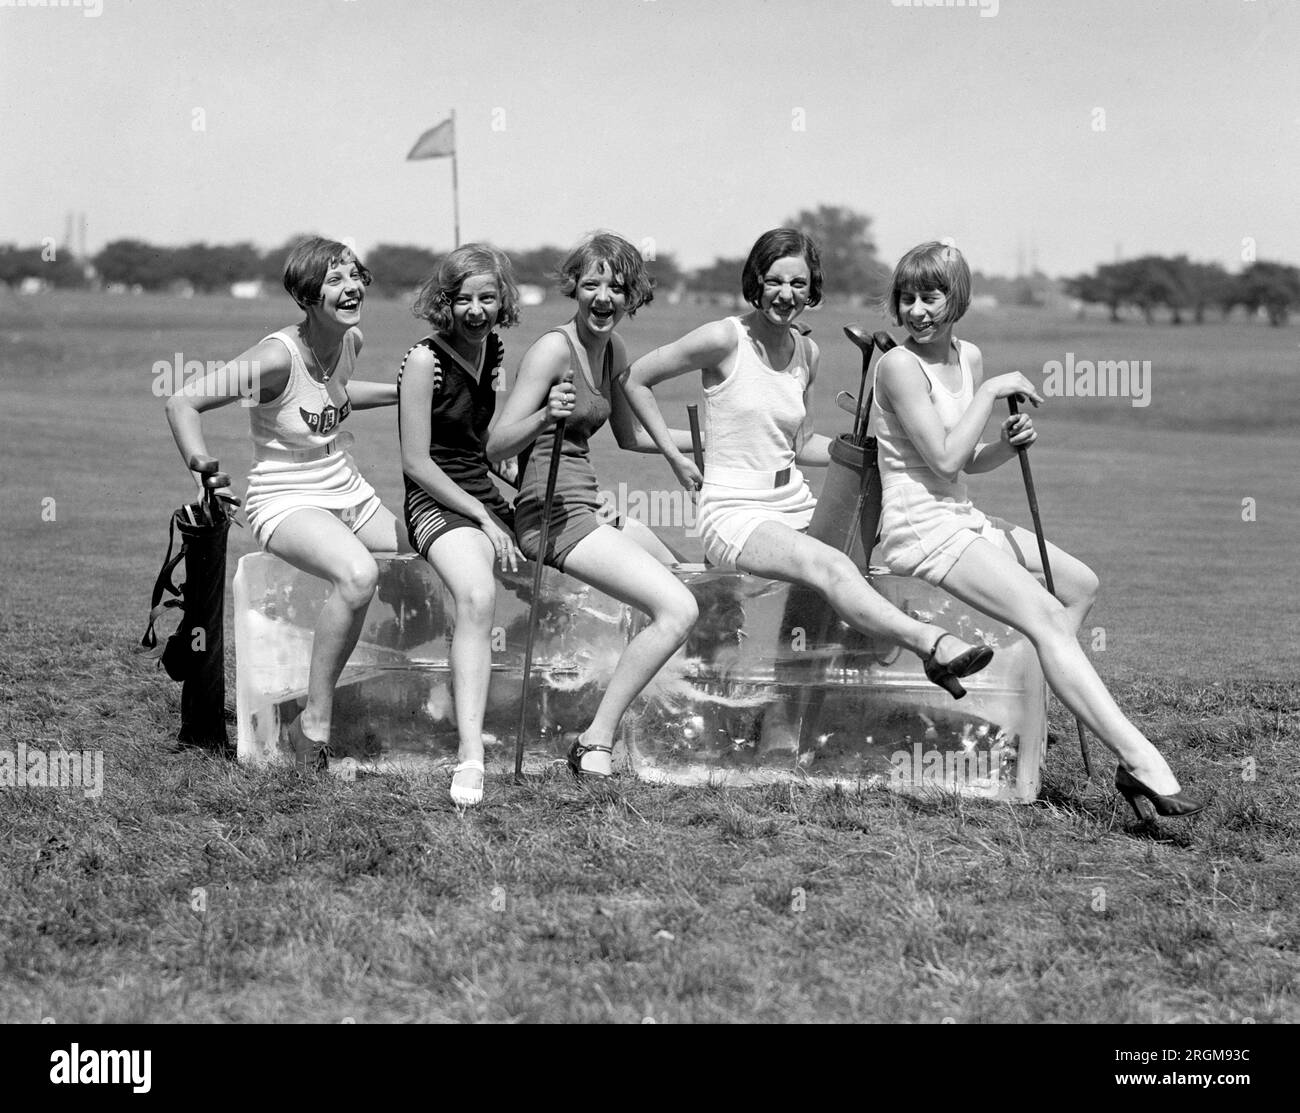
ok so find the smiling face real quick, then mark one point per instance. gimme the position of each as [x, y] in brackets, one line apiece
[602, 299]
[785, 292]
[921, 311]
[475, 308]
[342, 292]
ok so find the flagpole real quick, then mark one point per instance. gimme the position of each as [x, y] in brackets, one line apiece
[455, 189]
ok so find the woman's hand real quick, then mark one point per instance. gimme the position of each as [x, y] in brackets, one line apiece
[560, 401]
[688, 475]
[508, 470]
[1004, 386]
[1018, 431]
[503, 544]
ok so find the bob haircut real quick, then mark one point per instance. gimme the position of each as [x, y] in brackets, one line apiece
[434, 299]
[614, 254]
[309, 263]
[780, 243]
[932, 266]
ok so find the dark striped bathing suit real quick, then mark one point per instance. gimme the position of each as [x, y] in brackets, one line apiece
[574, 511]
[459, 417]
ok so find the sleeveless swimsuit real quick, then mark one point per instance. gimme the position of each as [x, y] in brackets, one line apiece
[926, 522]
[459, 415]
[576, 510]
[755, 421]
[300, 460]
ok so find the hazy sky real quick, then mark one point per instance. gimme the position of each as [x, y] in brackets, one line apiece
[699, 123]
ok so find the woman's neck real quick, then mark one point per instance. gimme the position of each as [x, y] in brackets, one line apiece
[936, 349]
[776, 339]
[592, 344]
[323, 337]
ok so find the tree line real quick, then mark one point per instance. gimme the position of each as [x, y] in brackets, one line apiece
[848, 253]
[853, 269]
[1188, 289]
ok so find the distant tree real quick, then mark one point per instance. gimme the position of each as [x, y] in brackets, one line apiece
[667, 274]
[1273, 287]
[848, 250]
[722, 276]
[19, 263]
[135, 262]
[1149, 282]
[210, 269]
[1204, 284]
[399, 268]
[1102, 287]
[272, 268]
[537, 266]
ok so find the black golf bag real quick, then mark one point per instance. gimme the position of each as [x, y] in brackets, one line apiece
[195, 654]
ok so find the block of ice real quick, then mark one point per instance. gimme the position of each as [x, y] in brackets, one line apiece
[769, 685]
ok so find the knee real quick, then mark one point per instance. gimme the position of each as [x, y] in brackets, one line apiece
[476, 604]
[1050, 620]
[833, 570]
[678, 615]
[1086, 585]
[357, 582]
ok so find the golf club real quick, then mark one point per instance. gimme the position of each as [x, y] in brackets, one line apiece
[847, 402]
[539, 566]
[205, 466]
[1022, 451]
[697, 443]
[213, 509]
[866, 345]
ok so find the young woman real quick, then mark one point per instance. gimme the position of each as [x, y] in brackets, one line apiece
[754, 505]
[456, 518]
[306, 502]
[576, 372]
[932, 404]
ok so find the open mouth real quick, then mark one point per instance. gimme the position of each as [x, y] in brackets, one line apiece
[349, 304]
[602, 315]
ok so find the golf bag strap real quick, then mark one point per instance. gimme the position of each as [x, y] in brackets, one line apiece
[165, 583]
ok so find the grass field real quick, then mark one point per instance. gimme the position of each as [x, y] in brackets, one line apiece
[560, 902]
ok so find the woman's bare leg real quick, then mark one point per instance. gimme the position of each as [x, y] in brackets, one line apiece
[781, 553]
[993, 581]
[463, 559]
[621, 568]
[316, 542]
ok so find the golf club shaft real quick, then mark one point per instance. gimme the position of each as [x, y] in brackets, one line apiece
[697, 442]
[1033, 503]
[539, 566]
[1013, 404]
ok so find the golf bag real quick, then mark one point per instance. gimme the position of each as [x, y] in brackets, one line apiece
[195, 654]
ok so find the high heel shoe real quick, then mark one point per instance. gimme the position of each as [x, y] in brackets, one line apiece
[575, 754]
[1141, 799]
[462, 796]
[946, 674]
[309, 755]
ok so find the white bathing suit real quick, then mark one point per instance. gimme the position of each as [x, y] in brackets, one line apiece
[755, 421]
[927, 522]
[301, 461]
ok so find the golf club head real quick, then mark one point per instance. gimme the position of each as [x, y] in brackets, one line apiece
[204, 465]
[884, 341]
[216, 480]
[847, 402]
[861, 339]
